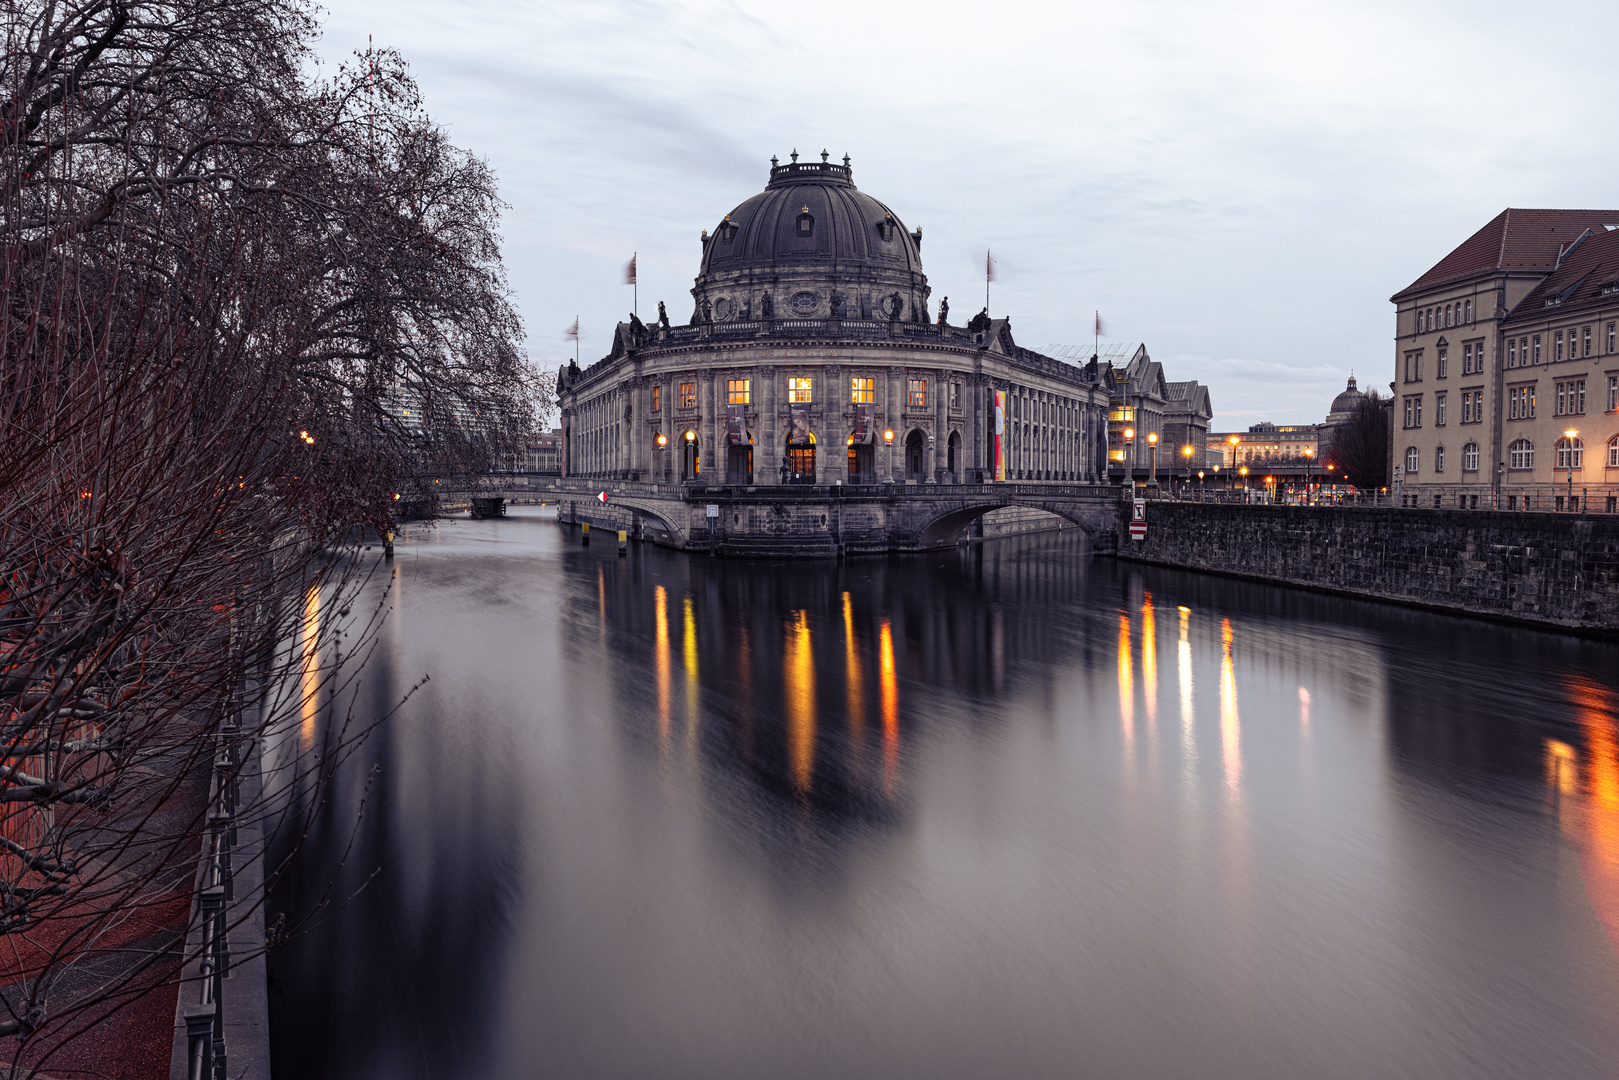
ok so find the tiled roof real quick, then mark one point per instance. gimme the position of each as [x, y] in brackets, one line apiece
[1578, 283]
[1513, 240]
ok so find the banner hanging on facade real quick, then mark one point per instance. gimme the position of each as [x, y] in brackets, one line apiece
[1000, 433]
[800, 433]
[862, 433]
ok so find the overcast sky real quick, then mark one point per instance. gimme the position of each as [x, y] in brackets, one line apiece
[1240, 185]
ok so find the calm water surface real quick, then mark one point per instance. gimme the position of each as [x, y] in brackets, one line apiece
[997, 812]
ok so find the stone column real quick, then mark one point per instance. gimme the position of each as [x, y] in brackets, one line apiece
[894, 420]
[834, 455]
[941, 422]
[767, 441]
[710, 466]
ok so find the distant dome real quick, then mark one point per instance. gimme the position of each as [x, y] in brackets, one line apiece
[1346, 403]
[809, 234]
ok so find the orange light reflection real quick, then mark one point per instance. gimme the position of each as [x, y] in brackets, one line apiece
[857, 691]
[890, 688]
[661, 659]
[1230, 727]
[1127, 692]
[800, 686]
[1149, 663]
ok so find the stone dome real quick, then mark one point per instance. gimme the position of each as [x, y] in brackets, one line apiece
[816, 247]
[1345, 404]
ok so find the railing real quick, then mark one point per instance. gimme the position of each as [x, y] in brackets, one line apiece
[205, 1021]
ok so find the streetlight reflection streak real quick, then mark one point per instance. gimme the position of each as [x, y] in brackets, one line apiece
[857, 692]
[1230, 728]
[890, 687]
[1184, 656]
[1149, 664]
[800, 673]
[660, 656]
[1127, 693]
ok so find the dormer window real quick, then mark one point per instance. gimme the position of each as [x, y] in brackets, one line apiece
[806, 223]
[885, 228]
[728, 230]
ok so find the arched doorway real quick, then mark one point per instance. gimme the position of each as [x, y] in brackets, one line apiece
[914, 457]
[689, 456]
[739, 461]
[862, 462]
[953, 457]
[801, 458]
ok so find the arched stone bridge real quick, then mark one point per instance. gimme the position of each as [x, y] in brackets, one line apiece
[803, 520]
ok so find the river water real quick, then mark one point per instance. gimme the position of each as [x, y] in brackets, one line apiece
[1002, 811]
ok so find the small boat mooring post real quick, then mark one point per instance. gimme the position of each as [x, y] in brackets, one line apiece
[388, 545]
[586, 528]
[623, 542]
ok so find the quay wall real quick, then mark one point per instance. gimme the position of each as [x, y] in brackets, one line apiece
[1555, 570]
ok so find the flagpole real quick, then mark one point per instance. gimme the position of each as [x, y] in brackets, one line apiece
[635, 288]
[988, 273]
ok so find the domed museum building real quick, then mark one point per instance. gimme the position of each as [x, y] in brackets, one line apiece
[813, 356]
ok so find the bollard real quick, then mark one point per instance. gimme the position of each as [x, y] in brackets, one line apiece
[586, 528]
[623, 542]
[388, 546]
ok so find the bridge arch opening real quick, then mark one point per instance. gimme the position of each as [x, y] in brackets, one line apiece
[946, 528]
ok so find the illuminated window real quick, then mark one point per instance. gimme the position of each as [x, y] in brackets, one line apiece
[862, 391]
[800, 389]
[657, 398]
[688, 395]
[919, 394]
[737, 391]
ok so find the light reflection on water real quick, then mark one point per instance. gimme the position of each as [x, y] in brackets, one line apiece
[1400, 858]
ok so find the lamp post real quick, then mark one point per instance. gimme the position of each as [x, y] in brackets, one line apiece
[1152, 442]
[1199, 484]
[888, 443]
[663, 446]
[1186, 456]
[1308, 453]
[1571, 434]
[1129, 463]
[691, 445]
[1233, 441]
[1243, 472]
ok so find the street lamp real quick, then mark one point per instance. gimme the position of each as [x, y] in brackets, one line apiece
[1308, 453]
[1129, 463]
[1243, 472]
[1186, 453]
[1152, 441]
[888, 441]
[1233, 441]
[1571, 434]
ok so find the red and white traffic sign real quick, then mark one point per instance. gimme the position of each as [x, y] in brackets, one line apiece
[1138, 519]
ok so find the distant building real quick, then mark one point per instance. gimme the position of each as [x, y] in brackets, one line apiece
[1501, 347]
[1142, 403]
[543, 454]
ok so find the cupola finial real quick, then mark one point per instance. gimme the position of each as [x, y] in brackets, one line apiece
[824, 155]
[794, 155]
[846, 160]
[775, 163]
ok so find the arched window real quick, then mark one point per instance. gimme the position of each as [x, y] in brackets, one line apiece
[1470, 457]
[1448, 321]
[1613, 452]
[1570, 453]
[1467, 311]
[1521, 455]
[1439, 459]
[1412, 460]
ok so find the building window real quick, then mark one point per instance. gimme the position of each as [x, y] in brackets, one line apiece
[688, 395]
[657, 399]
[1521, 455]
[1537, 348]
[1438, 409]
[1470, 457]
[1585, 342]
[1613, 392]
[919, 394]
[1412, 460]
[1467, 406]
[1413, 366]
[1439, 459]
[1557, 346]
[1571, 398]
[800, 390]
[1570, 453]
[1441, 363]
[1521, 403]
[1613, 333]
[1467, 312]
[1613, 452]
[1413, 411]
[738, 391]
[955, 395]
[861, 390]
[1512, 353]
[806, 223]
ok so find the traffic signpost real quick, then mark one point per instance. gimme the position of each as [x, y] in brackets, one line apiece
[1138, 519]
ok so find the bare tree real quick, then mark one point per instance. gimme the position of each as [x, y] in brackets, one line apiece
[242, 311]
[1360, 445]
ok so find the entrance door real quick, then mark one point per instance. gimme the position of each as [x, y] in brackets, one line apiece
[953, 462]
[913, 456]
[801, 463]
[739, 464]
[862, 464]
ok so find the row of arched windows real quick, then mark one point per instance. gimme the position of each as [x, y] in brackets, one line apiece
[1442, 315]
[1520, 456]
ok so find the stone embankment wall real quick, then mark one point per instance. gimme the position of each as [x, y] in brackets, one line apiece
[1552, 569]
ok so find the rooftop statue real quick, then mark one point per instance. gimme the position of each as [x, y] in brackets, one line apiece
[944, 311]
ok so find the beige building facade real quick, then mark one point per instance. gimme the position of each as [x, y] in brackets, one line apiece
[1489, 345]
